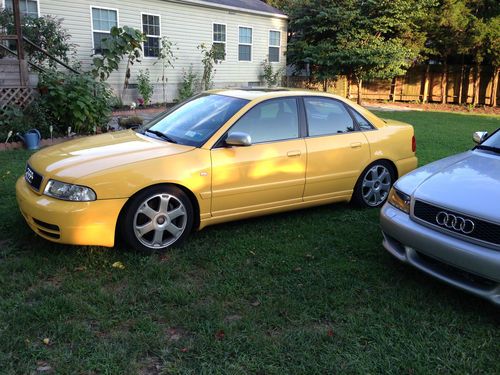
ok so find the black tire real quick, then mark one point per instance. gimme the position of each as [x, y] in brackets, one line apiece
[149, 223]
[361, 196]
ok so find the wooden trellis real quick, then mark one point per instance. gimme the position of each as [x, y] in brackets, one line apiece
[16, 96]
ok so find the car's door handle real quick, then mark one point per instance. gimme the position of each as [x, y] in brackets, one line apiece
[356, 145]
[293, 153]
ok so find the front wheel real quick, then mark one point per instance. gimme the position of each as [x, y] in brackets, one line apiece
[374, 184]
[157, 218]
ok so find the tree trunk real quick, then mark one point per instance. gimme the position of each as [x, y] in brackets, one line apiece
[349, 83]
[477, 81]
[461, 81]
[494, 87]
[444, 82]
[325, 85]
[392, 94]
[360, 86]
[425, 98]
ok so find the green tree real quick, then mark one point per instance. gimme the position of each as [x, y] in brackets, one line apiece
[122, 42]
[210, 57]
[46, 32]
[166, 58]
[363, 40]
[446, 30]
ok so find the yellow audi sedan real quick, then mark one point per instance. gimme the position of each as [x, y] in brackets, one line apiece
[221, 156]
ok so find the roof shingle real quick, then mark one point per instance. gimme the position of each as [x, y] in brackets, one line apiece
[256, 5]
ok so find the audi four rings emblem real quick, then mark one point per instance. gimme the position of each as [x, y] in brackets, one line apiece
[454, 222]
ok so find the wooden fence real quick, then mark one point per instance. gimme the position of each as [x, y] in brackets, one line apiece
[410, 87]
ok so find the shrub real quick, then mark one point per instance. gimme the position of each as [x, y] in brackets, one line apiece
[145, 86]
[188, 85]
[271, 78]
[46, 32]
[75, 100]
[210, 57]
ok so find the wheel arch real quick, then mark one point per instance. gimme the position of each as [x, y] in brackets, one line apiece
[185, 190]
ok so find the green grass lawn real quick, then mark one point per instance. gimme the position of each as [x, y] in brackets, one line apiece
[307, 292]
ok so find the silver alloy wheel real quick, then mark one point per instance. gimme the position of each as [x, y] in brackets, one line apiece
[159, 221]
[376, 185]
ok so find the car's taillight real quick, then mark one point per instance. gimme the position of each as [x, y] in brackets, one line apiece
[413, 144]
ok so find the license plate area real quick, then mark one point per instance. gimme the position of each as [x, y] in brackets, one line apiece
[33, 178]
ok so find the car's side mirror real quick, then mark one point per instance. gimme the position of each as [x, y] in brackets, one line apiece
[238, 139]
[479, 137]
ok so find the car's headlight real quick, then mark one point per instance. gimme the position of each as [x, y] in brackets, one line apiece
[69, 192]
[399, 200]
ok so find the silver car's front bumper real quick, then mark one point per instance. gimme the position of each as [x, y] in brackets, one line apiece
[462, 264]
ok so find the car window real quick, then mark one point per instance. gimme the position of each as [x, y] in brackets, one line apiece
[327, 116]
[272, 120]
[197, 119]
[362, 122]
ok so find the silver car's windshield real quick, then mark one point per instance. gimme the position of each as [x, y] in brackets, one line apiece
[492, 143]
[195, 121]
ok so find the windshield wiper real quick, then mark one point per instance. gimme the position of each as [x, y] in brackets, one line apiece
[161, 135]
[488, 148]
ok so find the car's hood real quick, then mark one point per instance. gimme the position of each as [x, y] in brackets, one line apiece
[468, 183]
[72, 160]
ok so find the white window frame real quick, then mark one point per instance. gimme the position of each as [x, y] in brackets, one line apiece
[245, 44]
[269, 46]
[37, 6]
[101, 31]
[216, 41]
[150, 36]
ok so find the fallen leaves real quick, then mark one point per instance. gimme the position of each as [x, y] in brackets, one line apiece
[46, 341]
[220, 335]
[118, 265]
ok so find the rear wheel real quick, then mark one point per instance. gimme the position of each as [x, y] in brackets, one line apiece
[157, 218]
[374, 184]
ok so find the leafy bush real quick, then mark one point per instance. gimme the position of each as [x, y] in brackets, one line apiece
[46, 32]
[75, 100]
[210, 57]
[125, 41]
[188, 85]
[144, 86]
[271, 78]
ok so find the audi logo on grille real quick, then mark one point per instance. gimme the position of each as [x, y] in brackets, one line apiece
[455, 222]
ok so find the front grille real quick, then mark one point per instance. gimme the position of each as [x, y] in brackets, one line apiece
[33, 178]
[483, 230]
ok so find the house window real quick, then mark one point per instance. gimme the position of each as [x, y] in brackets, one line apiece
[27, 8]
[274, 46]
[151, 28]
[102, 21]
[219, 41]
[245, 44]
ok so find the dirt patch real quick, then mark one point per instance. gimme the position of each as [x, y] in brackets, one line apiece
[150, 366]
[176, 334]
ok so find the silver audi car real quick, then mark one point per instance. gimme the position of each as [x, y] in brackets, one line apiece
[444, 218]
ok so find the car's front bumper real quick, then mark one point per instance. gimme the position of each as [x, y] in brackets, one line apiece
[74, 223]
[462, 264]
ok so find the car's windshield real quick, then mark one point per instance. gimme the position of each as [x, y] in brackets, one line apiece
[493, 141]
[195, 121]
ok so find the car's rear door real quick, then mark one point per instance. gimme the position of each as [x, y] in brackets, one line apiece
[337, 151]
[269, 173]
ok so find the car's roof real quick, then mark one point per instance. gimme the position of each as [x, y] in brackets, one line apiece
[257, 93]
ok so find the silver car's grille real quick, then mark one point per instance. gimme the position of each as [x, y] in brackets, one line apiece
[452, 222]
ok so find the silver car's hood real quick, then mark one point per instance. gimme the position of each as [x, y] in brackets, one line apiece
[468, 183]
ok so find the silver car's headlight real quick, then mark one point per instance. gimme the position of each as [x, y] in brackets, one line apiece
[399, 200]
[69, 192]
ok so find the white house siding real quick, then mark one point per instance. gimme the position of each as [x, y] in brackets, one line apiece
[184, 24]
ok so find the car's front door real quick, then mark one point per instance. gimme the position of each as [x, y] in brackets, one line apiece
[268, 173]
[337, 151]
